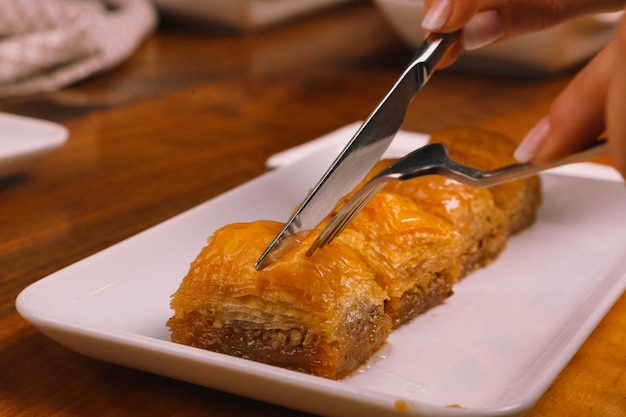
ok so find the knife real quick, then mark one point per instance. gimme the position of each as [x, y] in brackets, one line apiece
[364, 149]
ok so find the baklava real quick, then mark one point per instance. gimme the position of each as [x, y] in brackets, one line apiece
[322, 315]
[487, 150]
[327, 314]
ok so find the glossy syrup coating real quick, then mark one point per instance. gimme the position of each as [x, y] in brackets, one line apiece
[401, 255]
[322, 315]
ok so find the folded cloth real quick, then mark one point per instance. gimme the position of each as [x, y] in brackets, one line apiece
[46, 45]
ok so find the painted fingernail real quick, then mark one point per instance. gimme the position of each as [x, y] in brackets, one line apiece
[483, 29]
[533, 141]
[437, 15]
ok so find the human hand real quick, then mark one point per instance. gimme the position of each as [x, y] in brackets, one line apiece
[592, 104]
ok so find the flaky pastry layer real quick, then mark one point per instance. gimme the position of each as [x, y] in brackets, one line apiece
[327, 314]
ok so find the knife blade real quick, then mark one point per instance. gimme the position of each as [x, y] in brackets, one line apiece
[363, 150]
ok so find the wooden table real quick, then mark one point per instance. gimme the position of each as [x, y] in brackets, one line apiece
[195, 113]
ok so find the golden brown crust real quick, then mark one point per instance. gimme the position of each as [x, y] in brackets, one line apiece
[487, 150]
[413, 253]
[400, 256]
[301, 313]
[471, 212]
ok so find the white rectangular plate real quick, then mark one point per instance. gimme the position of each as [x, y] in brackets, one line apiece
[491, 349]
[23, 141]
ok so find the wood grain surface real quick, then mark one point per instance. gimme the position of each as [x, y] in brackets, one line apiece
[195, 112]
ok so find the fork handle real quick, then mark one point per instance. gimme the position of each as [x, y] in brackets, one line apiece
[518, 171]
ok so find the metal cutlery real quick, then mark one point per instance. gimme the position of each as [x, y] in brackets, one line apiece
[434, 159]
[364, 149]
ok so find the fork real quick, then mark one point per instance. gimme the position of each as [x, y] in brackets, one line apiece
[433, 159]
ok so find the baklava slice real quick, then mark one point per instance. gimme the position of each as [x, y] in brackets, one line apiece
[472, 213]
[415, 254]
[323, 315]
[487, 150]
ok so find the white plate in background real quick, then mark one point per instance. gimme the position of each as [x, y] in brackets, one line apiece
[24, 141]
[492, 349]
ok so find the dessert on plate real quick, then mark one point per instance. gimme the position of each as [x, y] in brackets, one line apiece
[401, 255]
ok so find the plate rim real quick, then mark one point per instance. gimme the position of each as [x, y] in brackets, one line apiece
[45, 323]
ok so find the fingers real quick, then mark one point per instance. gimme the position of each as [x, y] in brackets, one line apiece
[616, 102]
[484, 28]
[448, 15]
[489, 21]
[436, 14]
[592, 104]
[576, 117]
